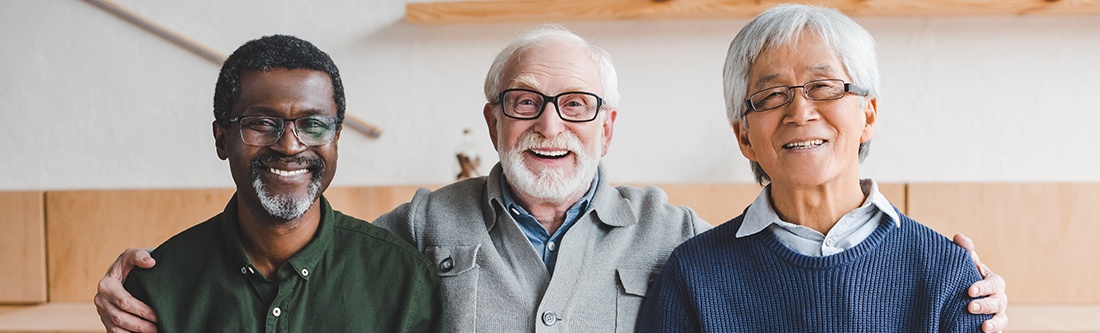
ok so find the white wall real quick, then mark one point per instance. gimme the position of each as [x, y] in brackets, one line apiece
[88, 101]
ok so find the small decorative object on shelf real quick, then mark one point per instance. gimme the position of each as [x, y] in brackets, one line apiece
[468, 159]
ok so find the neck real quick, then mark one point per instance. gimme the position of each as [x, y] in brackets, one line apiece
[550, 214]
[817, 207]
[269, 241]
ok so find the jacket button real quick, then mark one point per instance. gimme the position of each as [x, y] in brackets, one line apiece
[549, 318]
[446, 265]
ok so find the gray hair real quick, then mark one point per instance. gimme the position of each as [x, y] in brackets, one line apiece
[553, 32]
[783, 25]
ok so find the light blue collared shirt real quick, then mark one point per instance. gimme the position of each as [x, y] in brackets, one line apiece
[852, 228]
[546, 245]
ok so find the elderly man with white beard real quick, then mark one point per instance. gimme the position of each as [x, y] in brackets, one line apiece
[543, 243]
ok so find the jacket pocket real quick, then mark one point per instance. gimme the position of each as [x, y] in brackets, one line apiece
[633, 284]
[458, 273]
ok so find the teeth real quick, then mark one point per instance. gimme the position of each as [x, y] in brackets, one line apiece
[557, 153]
[285, 173]
[805, 144]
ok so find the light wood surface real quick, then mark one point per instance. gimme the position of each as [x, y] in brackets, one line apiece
[88, 229]
[367, 203]
[51, 318]
[22, 248]
[538, 11]
[1041, 237]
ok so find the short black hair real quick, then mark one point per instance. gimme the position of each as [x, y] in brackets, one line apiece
[268, 52]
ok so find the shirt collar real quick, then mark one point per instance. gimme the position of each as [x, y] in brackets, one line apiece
[302, 263]
[608, 205]
[760, 213]
[516, 209]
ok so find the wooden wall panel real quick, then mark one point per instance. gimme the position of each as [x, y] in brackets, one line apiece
[367, 203]
[88, 229]
[1041, 237]
[22, 248]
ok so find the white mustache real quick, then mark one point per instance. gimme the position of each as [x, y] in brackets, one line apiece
[566, 140]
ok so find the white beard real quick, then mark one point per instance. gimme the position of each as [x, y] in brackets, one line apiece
[286, 207]
[553, 185]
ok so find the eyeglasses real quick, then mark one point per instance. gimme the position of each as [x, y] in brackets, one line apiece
[265, 131]
[816, 90]
[526, 104]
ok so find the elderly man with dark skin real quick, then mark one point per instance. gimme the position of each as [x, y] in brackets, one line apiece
[279, 258]
[820, 250]
[544, 243]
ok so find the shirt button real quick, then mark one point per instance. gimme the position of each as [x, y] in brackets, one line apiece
[276, 312]
[305, 272]
[552, 246]
[447, 265]
[549, 318]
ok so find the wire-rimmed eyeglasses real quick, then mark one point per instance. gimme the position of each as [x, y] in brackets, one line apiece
[265, 131]
[816, 90]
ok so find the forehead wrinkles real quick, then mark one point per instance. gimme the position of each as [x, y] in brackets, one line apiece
[535, 68]
[774, 63]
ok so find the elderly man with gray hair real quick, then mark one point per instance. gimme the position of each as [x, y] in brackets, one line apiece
[543, 243]
[820, 250]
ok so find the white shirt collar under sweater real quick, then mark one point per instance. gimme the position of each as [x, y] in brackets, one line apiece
[852, 228]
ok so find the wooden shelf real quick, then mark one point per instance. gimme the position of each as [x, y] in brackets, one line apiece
[487, 11]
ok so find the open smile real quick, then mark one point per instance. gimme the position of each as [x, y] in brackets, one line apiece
[553, 154]
[287, 173]
[808, 144]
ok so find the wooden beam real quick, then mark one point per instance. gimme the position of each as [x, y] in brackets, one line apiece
[608, 10]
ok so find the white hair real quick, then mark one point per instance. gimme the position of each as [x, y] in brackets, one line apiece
[783, 25]
[542, 34]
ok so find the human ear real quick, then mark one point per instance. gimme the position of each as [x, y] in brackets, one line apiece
[608, 128]
[741, 131]
[491, 121]
[219, 140]
[870, 113]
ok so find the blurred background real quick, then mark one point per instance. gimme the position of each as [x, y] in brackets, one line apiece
[89, 101]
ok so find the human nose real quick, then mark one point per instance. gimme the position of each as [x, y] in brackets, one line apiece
[549, 123]
[800, 109]
[289, 143]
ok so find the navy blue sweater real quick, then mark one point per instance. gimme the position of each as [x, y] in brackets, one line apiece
[907, 279]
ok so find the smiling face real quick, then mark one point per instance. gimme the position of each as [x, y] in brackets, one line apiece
[285, 178]
[548, 158]
[805, 143]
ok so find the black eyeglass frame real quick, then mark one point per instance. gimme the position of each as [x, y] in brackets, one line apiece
[848, 88]
[550, 99]
[336, 124]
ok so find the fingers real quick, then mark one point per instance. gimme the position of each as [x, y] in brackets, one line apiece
[992, 285]
[116, 319]
[965, 242]
[995, 324]
[118, 310]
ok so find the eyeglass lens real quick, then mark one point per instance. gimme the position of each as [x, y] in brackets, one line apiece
[817, 90]
[264, 131]
[576, 106]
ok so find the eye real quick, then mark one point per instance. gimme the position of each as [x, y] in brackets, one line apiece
[526, 101]
[263, 124]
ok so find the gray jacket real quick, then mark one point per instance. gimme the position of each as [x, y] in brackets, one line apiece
[493, 281]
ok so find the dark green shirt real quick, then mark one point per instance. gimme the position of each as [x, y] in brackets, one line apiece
[352, 277]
